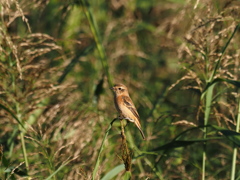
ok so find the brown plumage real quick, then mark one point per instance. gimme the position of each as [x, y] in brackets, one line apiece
[125, 106]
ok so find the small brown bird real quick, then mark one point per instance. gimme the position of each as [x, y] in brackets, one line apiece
[125, 106]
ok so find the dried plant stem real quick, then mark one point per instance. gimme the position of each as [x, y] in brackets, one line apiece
[233, 172]
[126, 153]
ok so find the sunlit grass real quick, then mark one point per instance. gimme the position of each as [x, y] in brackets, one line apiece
[179, 59]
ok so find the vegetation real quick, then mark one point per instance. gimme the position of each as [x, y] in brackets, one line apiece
[179, 59]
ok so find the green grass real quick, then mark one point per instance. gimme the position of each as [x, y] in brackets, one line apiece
[178, 59]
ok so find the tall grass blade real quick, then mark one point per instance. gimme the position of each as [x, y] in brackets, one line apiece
[209, 95]
[100, 151]
[12, 114]
[233, 82]
[115, 171]
[74, 61]
[55, 172]
[233, 136]
[234, 158]
[95, 32]
[223, 51]
[127, 175]
[22, 132]
[177, 144]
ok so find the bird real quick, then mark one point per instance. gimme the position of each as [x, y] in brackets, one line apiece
[125, 106]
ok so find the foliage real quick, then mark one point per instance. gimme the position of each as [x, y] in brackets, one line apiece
[180, 60]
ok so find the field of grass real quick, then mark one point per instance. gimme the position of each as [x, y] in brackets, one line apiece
[180, 60]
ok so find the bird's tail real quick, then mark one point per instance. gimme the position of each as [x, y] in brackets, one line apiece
[137, 123]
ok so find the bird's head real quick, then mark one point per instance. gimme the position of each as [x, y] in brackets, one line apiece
[119, 89]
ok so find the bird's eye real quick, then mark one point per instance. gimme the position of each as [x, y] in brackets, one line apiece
[119, 88]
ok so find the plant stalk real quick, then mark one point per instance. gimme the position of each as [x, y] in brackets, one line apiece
[22, 132]
[209, 95]
[234, 158]
[95, 32]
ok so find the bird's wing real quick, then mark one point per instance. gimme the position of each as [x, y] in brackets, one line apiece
[129, 104]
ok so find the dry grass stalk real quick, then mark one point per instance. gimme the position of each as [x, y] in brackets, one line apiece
[126, 153]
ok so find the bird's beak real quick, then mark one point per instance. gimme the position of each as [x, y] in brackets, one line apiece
[111, 88]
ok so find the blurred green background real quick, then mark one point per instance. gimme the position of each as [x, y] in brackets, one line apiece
[179, 59]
